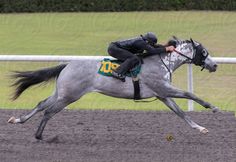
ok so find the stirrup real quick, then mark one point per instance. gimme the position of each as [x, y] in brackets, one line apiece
[118, 76]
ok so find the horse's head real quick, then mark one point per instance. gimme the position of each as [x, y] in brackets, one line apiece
[194, 52]
[202, 58]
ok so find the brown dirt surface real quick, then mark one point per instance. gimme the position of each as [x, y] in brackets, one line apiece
[119, 136]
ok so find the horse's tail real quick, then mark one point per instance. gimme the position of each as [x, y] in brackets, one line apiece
[25, 79]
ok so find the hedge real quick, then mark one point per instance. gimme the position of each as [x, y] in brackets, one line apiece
[8, 6]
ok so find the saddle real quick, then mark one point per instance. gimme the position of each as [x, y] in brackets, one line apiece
[108, 65]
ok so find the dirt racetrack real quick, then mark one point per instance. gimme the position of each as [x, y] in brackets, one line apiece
[122, 136]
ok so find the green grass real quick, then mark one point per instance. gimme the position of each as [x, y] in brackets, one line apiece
[90, 34]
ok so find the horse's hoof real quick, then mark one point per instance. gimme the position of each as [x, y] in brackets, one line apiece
[204, 131]
[38, 137]
[215, 110]
[12, 120]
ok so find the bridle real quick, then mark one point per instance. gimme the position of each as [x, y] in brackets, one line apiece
[197, 59]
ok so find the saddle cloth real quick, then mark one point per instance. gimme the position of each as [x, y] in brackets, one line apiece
[107, 66]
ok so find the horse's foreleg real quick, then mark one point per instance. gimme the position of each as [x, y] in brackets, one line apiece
[40, 107]
[176, 93]
[174, 107]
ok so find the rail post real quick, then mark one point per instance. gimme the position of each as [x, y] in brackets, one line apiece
[190, 86]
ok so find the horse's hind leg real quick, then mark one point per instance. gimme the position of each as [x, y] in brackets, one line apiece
[174, 107]
[49, 113]
[40, 107]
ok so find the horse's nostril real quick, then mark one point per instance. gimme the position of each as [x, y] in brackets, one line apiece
[215, 66]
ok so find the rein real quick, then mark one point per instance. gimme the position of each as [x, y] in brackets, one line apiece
[184, 55]
[168, 68]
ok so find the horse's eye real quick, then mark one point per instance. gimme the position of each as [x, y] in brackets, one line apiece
[204, 52]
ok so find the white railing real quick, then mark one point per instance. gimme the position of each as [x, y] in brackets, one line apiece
[219, 60]
[48, 58]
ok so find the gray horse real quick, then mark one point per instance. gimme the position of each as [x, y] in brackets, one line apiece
[72, 83]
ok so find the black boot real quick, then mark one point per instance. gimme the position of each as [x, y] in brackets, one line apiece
[118, 76]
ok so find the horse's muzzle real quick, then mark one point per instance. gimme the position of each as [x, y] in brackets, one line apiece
[213, 68]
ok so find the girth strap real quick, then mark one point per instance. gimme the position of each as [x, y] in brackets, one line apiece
[136, 88]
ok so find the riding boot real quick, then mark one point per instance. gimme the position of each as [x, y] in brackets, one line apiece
[121, 71]
[117, 75]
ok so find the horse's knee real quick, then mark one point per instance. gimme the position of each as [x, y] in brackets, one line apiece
[189, 95]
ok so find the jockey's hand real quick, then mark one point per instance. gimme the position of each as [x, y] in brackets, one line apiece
[170, 48]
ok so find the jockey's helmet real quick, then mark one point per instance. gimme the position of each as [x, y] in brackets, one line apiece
[150, 37]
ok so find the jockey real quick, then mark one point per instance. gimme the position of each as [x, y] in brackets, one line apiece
[127, 50]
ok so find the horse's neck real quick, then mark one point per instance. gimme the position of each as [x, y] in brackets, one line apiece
[174, 60]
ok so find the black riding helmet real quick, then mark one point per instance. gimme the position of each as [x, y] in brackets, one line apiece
[150, 38]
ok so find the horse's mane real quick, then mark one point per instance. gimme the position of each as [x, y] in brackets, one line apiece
[174, 41]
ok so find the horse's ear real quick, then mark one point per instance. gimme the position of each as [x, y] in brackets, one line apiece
[193, 43]
[175, 38]
[191, 40]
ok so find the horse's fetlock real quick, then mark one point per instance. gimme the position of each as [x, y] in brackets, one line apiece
[22, 119]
